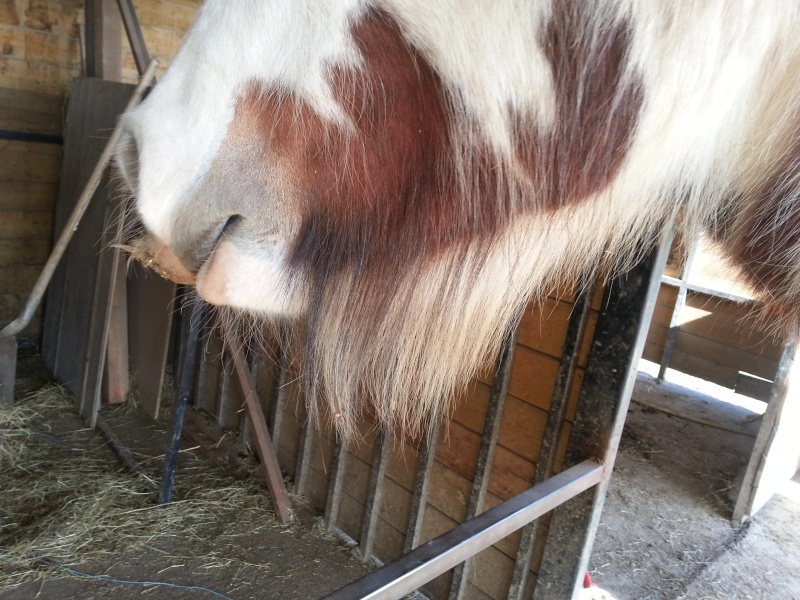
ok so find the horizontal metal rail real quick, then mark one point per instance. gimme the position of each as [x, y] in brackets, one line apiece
[419, 566]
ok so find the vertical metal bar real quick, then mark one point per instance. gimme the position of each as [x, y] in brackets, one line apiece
[375, 494]
[675, 319]
[334, 498]
[425, 462]
[602, 405]
[302, 464]
[491, 429]
[279, 404]
[562, 391]
[185, 389]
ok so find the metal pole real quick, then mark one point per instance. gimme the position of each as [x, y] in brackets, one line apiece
[416, 568]
[184, 390]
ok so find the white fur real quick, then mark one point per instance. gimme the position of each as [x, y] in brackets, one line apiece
[720, 78]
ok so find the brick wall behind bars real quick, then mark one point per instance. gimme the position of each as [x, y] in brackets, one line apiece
[40, 52]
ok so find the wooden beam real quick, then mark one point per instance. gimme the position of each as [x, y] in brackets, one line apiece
[103, 40]
[680, 302]
[258, 423]
[334, 499]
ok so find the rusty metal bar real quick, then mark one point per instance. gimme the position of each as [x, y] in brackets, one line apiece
[608, 381]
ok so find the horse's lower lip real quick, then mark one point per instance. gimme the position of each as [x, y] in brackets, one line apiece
[164, 261]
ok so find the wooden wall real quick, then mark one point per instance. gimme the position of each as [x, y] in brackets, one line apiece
[718, 339]
[40, 52]
[310, 457]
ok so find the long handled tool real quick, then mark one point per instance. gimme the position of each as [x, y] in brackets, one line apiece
[8, 342]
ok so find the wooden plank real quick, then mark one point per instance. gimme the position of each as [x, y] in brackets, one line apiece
[302, 465]
[544, 326]
[725, 356]
[209, 371]
[610, 374]
[30, 111]
[264, 448]
[774, 459]
[532, 377]
[228, 406]
[78, 284]
[108, 266]
[23, 253]
[149, 328]
[29, 196]
[334, 499]
[27, 161]
[116, 375]
[675, 318]
[103, 52]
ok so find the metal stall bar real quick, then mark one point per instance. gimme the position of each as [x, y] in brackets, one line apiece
[179, 411]
[426, 460]
[135, 38]
[419, 566]
[380, 460]
[335, 484]
[611, 369]
[491, 431]
[549, 446]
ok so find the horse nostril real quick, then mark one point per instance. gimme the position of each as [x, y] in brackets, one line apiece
[126, 156]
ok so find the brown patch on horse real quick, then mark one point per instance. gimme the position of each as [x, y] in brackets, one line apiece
[597, 108]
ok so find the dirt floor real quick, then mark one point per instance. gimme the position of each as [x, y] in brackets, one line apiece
[665, 534]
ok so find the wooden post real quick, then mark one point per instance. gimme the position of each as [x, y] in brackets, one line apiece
[103, 40]
[774, 458]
